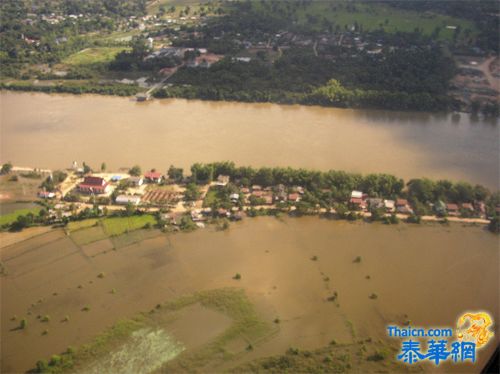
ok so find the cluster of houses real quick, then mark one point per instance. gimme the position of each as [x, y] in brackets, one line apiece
[360, 201]
[254, 195]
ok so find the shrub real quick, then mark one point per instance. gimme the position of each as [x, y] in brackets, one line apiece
[23, 324]
[314, 258]
[45, 318]
[237, 276]
[357, 259]
[373, 296]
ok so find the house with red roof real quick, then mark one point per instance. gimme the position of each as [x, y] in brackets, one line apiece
[93, 185]
[153, 176]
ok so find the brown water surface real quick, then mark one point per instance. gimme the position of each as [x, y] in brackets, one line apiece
[53, 130]
[430, 273]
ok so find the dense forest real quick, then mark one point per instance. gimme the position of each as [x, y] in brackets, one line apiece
[415, 79]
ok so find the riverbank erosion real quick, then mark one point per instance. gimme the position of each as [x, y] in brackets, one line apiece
[69, 292]
[121, 132]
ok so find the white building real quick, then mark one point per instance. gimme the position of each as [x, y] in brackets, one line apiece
[127, 199]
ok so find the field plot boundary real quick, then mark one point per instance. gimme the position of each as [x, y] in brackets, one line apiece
[230, 302]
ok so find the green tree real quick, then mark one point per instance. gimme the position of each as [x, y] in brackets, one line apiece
[192, 192]
[135, 171]
[6, 168]
[175, 174]
[103, 166]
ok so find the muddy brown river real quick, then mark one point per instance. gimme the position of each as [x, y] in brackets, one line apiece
[53, 130]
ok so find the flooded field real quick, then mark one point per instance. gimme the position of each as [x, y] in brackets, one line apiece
[53, 130]
[429, 274]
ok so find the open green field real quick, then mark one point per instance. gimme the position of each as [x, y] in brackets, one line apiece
[376, 16]
[7, 219]
[119, 225]
[93, 55]
[78, 225]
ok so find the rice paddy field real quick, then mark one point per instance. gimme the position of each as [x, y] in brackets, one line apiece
[146, 301]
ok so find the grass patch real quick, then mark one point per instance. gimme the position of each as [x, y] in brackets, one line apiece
[7, 219]
[78, 225]
[120, 225]
[97, 55]
[376, 16]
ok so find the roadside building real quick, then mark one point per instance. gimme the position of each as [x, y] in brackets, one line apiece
[403, 207]
[93, 185]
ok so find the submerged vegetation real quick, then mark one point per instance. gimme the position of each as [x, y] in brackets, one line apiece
[231, 302]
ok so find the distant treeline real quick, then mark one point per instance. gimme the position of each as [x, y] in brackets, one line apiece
[95, 88]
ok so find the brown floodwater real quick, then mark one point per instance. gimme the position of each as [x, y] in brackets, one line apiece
[430, 273]
[53, 130]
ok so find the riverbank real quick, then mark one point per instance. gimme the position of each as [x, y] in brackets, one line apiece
[372, 101]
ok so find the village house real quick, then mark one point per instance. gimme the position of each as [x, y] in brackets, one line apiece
[375, 203]
[257, 193]
[127, 199]
[294, 197]
[135, 181]
[153, 176]
[93, 185]
[234, 197]
[468, 207]
[221, 212]
[222, 180]
[358, 203]
[268, 199]
[403, 207]
[46, 195]
[389, 205]
[452, 209]
[245, 190]
[256, 187]
[356, 194]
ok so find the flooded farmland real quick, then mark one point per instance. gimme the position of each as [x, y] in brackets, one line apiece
[429, 274]
[53, 130]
